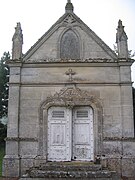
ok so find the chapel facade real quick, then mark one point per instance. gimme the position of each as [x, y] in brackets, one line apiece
[70, 99]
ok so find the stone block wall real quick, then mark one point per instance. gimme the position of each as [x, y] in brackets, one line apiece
[32, 84]
[120, 156]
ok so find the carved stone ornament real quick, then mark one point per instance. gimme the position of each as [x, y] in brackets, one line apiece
[72, 96]
[70, 73]
[69, 19]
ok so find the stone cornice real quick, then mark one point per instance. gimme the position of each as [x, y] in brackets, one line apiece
[14, 63]
[61, 62]
[41, 63]
[125, 63]
[53, 60]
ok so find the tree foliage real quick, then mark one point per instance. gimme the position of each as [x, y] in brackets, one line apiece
[134, 104]
[4, 76]
[3, 133]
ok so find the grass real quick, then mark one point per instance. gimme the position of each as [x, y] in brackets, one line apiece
[2, 152]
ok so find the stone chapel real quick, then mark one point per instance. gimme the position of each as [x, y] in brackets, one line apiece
[70, 102]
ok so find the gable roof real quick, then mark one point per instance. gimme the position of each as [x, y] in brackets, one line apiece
[58, 24]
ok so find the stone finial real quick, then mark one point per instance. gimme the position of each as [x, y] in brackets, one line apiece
[69, 7]
[121, 35]
[121, 40]
[17, 43]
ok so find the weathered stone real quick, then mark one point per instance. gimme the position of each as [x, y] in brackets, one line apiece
[114, 164]
[11, 166]
[25, 165]
[70, 171]
[128, 167]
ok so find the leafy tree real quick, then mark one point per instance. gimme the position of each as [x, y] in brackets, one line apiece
[4, 76]
[3, 133]
[134, 104]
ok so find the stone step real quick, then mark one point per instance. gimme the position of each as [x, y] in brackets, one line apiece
[35, 173]
[70, 170]
[76, 166]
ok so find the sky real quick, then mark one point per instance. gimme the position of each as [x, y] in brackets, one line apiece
[37, 16]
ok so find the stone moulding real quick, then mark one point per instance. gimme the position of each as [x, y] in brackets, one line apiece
[126, 139]
[21, 139]
[70, 97]
[54, 60]
[70, 60]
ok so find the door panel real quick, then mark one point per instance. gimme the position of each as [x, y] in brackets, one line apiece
[58, 132]
[82, 133]
[70, 134]
[59, 135]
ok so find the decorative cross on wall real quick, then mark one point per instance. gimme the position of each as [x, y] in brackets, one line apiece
[70, 73]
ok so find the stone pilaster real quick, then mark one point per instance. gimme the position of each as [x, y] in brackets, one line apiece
[126, 99]
[11, 160]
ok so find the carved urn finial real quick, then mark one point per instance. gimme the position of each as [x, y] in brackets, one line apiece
[69, 7]
[17, 43]
[121, 40]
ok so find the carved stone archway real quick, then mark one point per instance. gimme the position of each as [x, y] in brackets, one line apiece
[71, 97]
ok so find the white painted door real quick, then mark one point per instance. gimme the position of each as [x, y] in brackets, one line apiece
[70, 134]
[83, 134]
[59, 134]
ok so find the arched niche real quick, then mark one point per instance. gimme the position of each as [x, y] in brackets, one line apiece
[69, 46]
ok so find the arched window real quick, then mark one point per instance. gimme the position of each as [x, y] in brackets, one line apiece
[69, 46]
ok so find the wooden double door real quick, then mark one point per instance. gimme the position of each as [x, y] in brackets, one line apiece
[70, 134]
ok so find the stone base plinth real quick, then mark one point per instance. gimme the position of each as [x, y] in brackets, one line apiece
[10, 166]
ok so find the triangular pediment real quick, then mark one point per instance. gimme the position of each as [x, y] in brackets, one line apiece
[91, 47]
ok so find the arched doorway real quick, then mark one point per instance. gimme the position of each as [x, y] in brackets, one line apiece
[70, 99]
